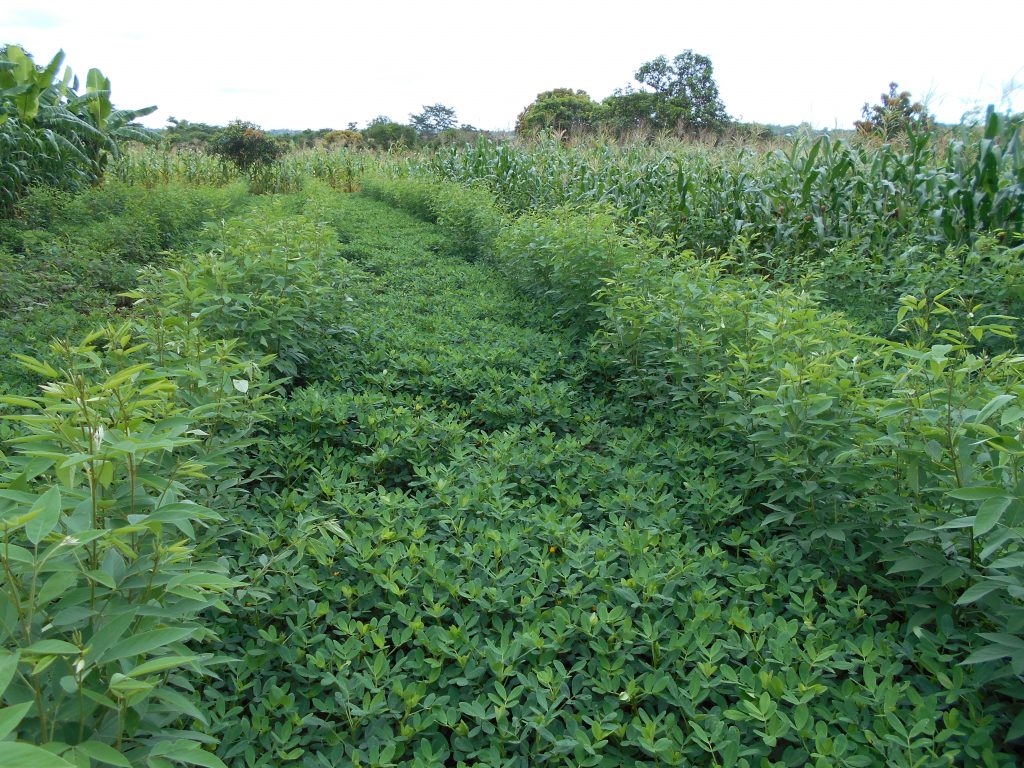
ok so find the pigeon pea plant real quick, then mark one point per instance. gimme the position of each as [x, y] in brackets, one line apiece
[269, 278]
[104, 586]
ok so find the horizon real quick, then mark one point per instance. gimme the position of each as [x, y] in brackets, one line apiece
[327, 67]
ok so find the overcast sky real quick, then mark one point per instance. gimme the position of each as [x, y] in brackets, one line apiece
[302, 64]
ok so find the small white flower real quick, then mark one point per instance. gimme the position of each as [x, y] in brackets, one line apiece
[97, 438]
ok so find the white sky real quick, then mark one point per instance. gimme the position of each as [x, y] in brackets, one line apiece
[303, 64]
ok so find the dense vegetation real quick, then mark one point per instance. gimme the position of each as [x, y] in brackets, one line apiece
[566, 454]
[863, 223]
[49, 132]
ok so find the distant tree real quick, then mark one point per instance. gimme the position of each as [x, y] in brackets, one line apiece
[245, 145]
[383, 133]
[183, 133]
[345, 138]
[687, 90]
[561, 109]
[893, 115]
[433, 120]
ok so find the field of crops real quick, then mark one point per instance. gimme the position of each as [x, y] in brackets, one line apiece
[508, 455]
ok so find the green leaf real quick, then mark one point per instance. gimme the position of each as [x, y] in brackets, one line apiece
[1016, 560]
[11, 716]
[976, 591]
[1016, 730]
[978, 493]
[17, 755]
[52, 648]
[188, 752]
[108, 634]
[104, 753]
[43, 523]
[145, 642]
[159, 665]
[988, 653]
[8, 666]
[989, 514]
[994, 405]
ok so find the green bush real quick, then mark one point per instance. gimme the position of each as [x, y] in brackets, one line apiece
[269, 278]
[583, 498]
[245, 145]
[67, 258]
[104, 584]
[565, 257]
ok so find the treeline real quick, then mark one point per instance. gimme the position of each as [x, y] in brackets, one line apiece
[679, 95]
[435, 125]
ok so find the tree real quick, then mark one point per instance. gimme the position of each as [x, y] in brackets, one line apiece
[687, 91]
[628, 110]
[433, 120]
[184, 133]
[345, 138]
[894, 115]
[245, 145]
[561, 109]
[383, 133]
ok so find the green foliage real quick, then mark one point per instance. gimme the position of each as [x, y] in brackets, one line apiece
[576, 470]
[522, 567]
[184, 134]
[683, 98]
[65, 259]
[864, 224]
[103, 582]
[564, 258]
[433, 120]
[346, 138]
[49, 133]
[383, 133]
[562, 110]
[467, 215]
[686, 91]
[629, 111]
[269, 278]
[245, 145]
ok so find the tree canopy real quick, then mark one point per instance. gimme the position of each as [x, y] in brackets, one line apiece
[385, 133]
[433, 120]
[678, 95]
[686, 89]
[560, 109]
[246, 145]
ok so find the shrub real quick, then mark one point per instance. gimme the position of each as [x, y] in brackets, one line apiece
[467, 215]
[564, 257]
[104, 585]
[245, 145]
[269, 279]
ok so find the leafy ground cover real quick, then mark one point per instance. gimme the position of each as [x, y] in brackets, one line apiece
[400, 479]
[468, 549]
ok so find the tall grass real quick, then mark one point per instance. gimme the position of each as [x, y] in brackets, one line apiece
[148, 166]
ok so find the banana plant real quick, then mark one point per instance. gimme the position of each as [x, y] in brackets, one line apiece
[50, 133]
